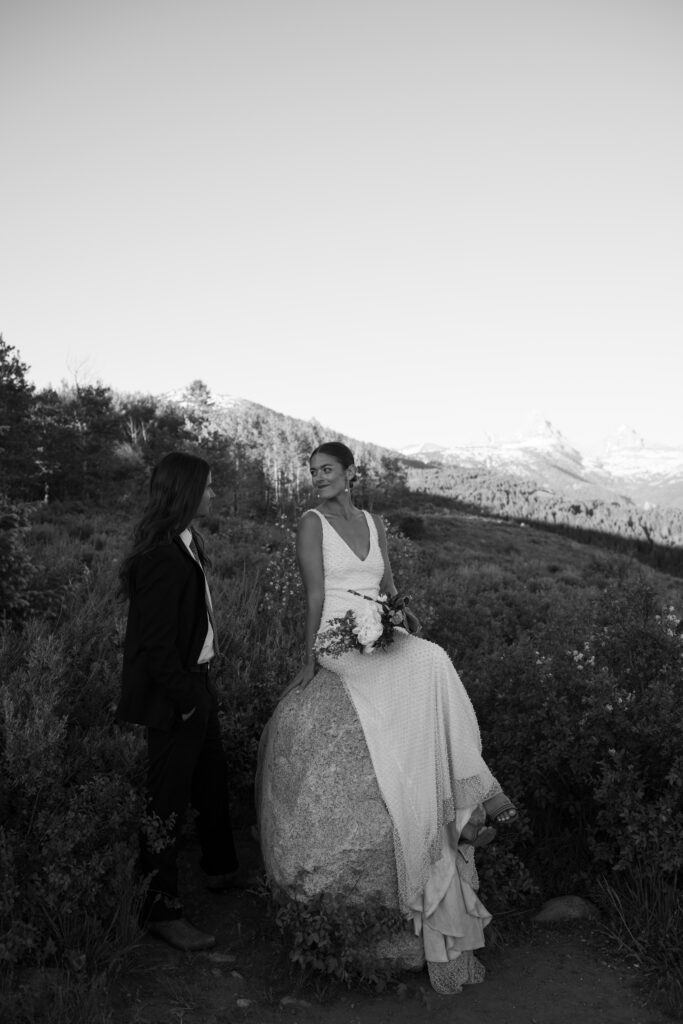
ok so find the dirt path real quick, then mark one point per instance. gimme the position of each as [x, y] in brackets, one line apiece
[558, 975]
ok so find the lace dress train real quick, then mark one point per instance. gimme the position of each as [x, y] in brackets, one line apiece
[424, 742]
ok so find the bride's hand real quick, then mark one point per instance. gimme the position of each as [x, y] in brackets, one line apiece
[301, 680]
[413, 624]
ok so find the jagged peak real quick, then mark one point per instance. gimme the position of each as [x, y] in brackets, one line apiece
[625, 438]
[538, 426]
[426, 447]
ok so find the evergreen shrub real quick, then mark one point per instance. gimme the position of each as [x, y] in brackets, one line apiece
[583, 721]
[330, 938]
[17, 572]
[70, 799]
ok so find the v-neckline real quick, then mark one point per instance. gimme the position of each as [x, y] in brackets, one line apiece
[345, 542]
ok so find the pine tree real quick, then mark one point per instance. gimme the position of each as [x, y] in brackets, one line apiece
[17, 441]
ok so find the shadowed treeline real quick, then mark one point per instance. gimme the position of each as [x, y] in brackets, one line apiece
[525, 500]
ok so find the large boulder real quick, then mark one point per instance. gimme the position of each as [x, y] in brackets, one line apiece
[323, 825]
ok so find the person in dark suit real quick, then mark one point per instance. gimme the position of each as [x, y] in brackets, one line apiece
[167, 687]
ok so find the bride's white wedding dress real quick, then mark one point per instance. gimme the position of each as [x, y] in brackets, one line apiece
[423, 738]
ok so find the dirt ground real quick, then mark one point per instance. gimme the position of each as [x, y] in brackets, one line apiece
[554, 975]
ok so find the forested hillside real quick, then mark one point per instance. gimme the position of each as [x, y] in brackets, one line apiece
[86, 442]
[656, 534]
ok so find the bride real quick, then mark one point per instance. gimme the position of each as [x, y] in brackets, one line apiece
[418, 722]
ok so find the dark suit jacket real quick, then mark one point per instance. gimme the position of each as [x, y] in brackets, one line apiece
[167, 626]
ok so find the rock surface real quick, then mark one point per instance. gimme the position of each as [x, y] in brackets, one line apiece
[323, 825]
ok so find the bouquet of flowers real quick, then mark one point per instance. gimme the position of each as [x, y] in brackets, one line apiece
[366, 632]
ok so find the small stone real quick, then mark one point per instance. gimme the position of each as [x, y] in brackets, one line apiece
[244, 1004]
[566, 908]
[222, 958]
[289, 1002]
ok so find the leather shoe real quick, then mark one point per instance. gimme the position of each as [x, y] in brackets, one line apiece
[180, 934]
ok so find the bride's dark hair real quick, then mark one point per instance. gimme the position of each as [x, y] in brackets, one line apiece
[176, 487]
[338, 451]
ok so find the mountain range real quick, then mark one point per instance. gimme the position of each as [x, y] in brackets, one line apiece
[628, 470]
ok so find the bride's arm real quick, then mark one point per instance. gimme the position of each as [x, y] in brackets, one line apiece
[310, 558]
[387, 586]
[309, 553]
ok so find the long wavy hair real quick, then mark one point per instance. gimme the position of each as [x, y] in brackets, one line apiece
[176, 488]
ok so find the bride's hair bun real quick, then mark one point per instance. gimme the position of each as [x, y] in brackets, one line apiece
[339, 452]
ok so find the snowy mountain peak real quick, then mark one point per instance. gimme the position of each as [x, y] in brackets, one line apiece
[543, 436]
[426, 448]
[625, 439]
[539, 427]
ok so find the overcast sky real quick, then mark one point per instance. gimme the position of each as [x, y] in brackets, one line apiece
[410, 219]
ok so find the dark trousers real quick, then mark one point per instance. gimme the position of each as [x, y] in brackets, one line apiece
[186, 765]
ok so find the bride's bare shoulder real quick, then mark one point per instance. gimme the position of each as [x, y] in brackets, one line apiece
[309, 524]
[379, 523]
[309, 540]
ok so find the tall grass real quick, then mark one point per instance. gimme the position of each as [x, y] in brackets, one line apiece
[644, 921]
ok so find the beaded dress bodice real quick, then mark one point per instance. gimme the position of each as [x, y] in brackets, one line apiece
[345, 571]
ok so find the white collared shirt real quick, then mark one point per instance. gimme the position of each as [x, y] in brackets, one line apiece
[207, 651]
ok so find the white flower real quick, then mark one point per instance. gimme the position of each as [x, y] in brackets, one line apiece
[368, 627]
